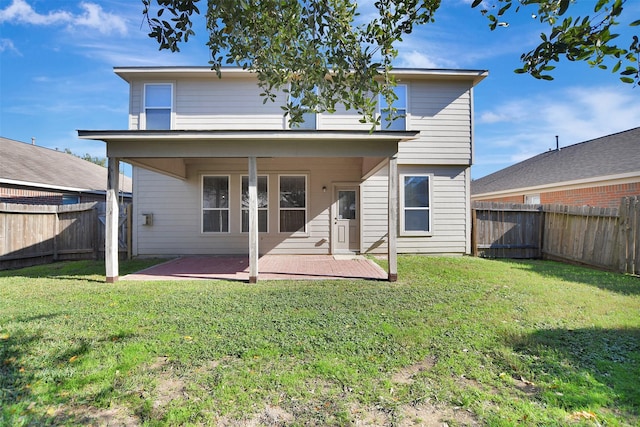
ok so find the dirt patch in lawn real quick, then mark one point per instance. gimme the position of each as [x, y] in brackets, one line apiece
[406, 375]
[90, 416]
[169, 386]
[425, 415]
[271, 416]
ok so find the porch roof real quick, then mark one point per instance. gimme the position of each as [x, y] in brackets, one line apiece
[166, 150]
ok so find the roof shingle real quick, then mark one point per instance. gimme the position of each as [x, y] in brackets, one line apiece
[36, 165]
[614, 154]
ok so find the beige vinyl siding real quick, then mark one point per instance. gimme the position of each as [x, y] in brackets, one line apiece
[374, 208]
[176, 207]
[342, 119]
[449, 212]
[441, 111]
[224, 104]
[135, 105]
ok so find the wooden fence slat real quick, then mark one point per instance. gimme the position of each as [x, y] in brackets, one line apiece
[602, 237]
[36, 234]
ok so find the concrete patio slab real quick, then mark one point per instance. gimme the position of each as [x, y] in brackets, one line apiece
[270, 267]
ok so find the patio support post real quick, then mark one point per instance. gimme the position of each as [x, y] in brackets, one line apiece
[112, 217]
[392, 243]
[253, 220]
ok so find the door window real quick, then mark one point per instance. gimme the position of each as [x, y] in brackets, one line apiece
[346, 204]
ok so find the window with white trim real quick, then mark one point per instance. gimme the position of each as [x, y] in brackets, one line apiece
[400, 106]
[157, 105]
[309, 119]
[415, 203]
[263, 204]
[532, 199]
[215, 204]
[293, 203]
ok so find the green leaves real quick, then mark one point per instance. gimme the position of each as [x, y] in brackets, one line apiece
[299, 45]
[586, 39]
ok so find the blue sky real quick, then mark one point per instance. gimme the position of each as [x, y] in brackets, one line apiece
[57, 59]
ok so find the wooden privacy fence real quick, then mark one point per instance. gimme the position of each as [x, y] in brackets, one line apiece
[37, 234]
[607, 238]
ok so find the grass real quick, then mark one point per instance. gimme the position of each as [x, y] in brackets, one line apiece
[456, 340]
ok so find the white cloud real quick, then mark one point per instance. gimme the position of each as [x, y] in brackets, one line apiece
[93, 17]
[581, 112]
[138, 52]
[96, 18]
[19, 11]
[6, 45]
[415, 59]
[517, 130]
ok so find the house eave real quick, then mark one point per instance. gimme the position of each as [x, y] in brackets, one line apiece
[167, 151]
[132, 73]
[62, 188]
[246, 135]
[566, 185]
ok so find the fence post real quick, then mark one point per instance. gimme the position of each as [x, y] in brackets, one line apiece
[56, 232]
[629, 223]
[474, 231]
[623, 224]
[129, 230]
[541, 228]
[96, 231]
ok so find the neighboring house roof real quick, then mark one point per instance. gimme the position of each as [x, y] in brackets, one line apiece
[30, 165]
[611, 156]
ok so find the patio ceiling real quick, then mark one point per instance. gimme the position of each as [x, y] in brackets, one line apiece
[168, 151]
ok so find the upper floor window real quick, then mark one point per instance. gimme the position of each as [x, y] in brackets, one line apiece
[415, 202]
[157, 105]
[309, 119]
[400, 104]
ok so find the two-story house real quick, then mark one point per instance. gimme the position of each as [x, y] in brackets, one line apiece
[217, 171]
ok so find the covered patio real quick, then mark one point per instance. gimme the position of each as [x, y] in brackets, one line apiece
[272, 267]
[168, 152]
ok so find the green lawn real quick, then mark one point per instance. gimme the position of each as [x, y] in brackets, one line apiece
[456, 340]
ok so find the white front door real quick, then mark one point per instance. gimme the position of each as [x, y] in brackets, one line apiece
[346, 231]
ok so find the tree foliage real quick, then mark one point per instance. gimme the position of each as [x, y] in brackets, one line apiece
[590, 38]
[323, 53]
[100, 161]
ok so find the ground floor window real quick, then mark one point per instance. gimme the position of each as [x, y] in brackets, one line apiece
[215, 204]
[263, 204]
[293, 203]
[532, 199]
[415, 203]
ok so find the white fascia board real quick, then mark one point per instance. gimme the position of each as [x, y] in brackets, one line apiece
[47, 186]
[243, 135]
[128, 73]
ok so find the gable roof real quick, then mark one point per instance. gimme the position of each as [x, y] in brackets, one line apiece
[607, 156]
[31, 165]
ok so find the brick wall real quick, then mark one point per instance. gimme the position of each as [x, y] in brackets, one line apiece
[508, 199]
[29, 197]
[14, 194]
[604, 196]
